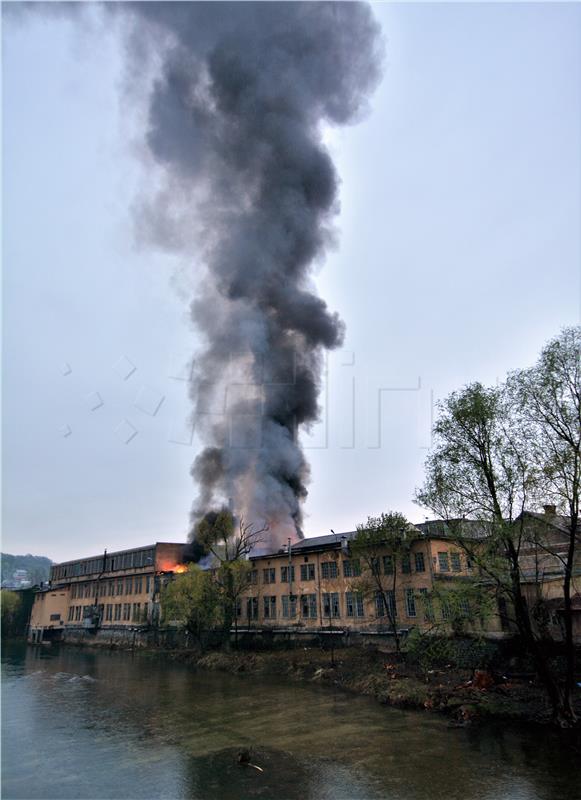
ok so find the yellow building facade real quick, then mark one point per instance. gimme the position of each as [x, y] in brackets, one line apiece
[113, 590]
[318, 584]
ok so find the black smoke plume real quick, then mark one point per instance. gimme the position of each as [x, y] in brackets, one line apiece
[235, 122]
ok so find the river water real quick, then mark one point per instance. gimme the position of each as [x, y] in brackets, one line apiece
[88, 724]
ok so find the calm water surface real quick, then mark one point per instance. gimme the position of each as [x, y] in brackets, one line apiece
[83, 724]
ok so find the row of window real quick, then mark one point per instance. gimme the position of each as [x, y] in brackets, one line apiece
[134, 584]
[306, 605]
[330, 569]
[111, 612]
[92, 566]
[450, 560]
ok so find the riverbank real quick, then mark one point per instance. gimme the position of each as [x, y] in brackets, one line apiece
[464, 695]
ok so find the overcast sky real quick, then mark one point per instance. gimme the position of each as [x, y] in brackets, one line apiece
[458, 256]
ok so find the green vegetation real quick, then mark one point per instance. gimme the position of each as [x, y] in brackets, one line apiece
[500, 451]
[192, 601]
[38, 567]
[11, 603]
[202, 600]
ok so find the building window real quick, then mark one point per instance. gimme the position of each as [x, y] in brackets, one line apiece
[119, 587]
[129, 586]
[148, 583]
[388, 565]
[331, 604]
[406, 564]
[329, 569]
[117, 612]
[136, 612]
[354, 603]
[427, 604]
[269, 607]
[285, 572]
[289, 606]
[381, 598]
[55, 617]
[309, 604]
[111, 588]
[138, 585]
[420, 562]
[410, 603]
[108, 612]
[252, 608]
[455, 560]
[446, 609]
[444, 562]
[71, 613]
[269, 575]
[78, 613]
[352, 569]
[307, 572]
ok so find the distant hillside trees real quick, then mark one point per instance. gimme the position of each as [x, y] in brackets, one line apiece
[38, 567]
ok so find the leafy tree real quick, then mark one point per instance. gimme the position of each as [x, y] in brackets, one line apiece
[383, 537]
[547, 398]
[482, 467]
[192, 599]
[462, 604]
[10, 602]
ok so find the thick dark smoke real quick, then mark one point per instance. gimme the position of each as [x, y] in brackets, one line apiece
[235, 121]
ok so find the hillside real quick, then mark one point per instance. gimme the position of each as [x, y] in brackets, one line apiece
[38, 567]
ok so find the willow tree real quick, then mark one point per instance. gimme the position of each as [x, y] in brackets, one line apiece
[192, 600]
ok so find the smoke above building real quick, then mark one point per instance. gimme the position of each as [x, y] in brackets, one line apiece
[249, 193]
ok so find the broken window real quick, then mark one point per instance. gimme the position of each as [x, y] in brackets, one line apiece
[354, 604]
[331, 604]
[329, 569]
[443, 561]
[410, 603]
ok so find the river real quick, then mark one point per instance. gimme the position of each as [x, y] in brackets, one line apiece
[90, 724]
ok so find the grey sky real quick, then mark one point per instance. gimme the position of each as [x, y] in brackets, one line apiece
[458, 256]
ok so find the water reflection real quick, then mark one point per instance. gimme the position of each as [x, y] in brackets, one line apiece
[85, 724]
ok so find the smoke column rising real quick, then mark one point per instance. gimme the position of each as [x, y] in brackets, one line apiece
[235, 122]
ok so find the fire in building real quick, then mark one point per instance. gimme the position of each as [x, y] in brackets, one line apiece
[308, 587]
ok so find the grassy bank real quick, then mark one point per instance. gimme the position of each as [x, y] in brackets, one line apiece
[464, 695]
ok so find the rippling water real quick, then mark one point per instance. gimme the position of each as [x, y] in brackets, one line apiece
[84, 724]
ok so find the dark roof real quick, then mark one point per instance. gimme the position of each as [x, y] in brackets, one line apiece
[558, 521]
[309, 544]
[328, 540]
[113, 553]
[470, 528]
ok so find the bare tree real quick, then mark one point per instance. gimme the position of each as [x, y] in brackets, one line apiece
[378, 545]
[230, 544]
